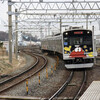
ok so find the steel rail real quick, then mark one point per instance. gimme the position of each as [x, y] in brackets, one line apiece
[2, 90]
[81, 87]
[63, 86]
[9, 79]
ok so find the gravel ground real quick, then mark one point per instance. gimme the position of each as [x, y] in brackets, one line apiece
[47, 86]
[29, 61]
[92, 75]
[74, 85]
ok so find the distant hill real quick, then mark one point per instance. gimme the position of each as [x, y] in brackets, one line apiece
[3, 36]
[27, 37]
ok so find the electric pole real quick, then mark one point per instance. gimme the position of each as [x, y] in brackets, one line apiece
[10, 29]
[16, 32]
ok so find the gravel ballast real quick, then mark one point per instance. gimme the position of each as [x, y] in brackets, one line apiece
[47, 86]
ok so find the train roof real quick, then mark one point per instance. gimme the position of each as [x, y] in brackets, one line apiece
[55, 35]
[76, 29]
[52, 36]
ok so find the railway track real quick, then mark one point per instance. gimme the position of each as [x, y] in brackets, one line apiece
[34, 49]
[65, 85]
[81, 87]
[40, 63]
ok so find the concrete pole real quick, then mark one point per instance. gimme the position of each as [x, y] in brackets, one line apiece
[30, 41]
[45, 32]
[16, 28]
[10, 30]
[41, 35]
[87, 21]
[93, 37]
[60, 25]
[99, 24]
[94, 45]
[49, 28]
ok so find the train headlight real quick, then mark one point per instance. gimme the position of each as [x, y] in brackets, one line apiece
[66, 33]
[88, 32]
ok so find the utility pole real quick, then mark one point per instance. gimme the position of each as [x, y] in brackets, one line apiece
[94, 44]
[93, 38]
[48, 28]
[10, 30]
[16, 32]
[41, 35]
[45, 32]
[60, 25]
[87, 21]
[30, 40]
[99, 24]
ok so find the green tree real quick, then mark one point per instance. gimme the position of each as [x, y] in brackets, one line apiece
[1, 44]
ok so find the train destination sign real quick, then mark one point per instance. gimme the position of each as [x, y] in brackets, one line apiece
[79, 32]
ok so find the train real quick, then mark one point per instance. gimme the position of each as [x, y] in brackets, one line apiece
[75, 45]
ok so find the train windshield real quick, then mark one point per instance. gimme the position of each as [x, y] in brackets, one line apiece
[88, 40]
[76, 40]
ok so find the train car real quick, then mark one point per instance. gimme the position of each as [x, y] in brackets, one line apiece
[52, 44]
[78, 48]
[75, 45]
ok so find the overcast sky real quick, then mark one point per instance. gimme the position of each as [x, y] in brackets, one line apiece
[4, 17]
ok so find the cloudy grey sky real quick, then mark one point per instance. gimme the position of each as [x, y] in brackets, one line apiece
[4, 17]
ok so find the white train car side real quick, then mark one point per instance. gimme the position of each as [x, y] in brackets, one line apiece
[52, 43]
